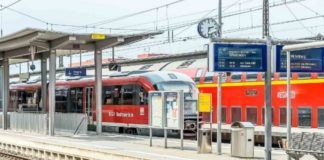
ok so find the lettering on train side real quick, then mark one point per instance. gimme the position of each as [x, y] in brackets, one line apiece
[120, 114]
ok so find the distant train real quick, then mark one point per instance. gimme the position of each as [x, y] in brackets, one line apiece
[124, 97]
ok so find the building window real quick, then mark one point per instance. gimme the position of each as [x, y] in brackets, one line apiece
[252, 115]
[224, 115]
[320, 119]
[304, 117]
[236, 114]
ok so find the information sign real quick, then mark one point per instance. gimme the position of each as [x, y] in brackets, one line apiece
[173, 110]
[156, 109]
[237, 57]
[204, 102]
[308, 60]
[98, 36]
[75, 72]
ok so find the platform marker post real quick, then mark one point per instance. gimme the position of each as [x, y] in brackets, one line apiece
[51, 91]
[288, 101]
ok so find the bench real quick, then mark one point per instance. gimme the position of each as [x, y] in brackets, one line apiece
[306, 143]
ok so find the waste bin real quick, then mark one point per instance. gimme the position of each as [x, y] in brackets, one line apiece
[242, 139]
[204, 141]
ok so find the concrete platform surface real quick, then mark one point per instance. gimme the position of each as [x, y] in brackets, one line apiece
[130, 146]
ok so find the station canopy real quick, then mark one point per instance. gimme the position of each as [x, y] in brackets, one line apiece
[17, 46]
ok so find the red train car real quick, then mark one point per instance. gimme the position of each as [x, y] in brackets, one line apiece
[124, 97]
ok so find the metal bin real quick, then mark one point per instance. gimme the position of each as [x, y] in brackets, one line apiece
[242, 139]
[204, 141]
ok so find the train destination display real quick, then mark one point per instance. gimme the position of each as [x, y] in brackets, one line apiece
[308, 60]
[238, 57]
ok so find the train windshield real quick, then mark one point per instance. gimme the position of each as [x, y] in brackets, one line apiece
[190, 93]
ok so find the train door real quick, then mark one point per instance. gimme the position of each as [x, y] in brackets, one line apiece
[89, 96]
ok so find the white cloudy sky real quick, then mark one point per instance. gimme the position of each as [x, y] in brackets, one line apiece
[180, 17]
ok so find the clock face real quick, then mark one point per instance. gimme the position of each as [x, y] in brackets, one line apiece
[207, 28]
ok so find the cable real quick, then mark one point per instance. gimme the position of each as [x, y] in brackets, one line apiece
[302, 24]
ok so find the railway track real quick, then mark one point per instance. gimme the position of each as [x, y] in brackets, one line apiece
[6, 156]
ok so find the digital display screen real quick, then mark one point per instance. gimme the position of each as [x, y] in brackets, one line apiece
[309, 60]
[240, 57]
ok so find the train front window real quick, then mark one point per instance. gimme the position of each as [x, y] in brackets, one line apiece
[188, 88]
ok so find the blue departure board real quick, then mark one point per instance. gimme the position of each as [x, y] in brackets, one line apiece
[240, 57]
[308, 60]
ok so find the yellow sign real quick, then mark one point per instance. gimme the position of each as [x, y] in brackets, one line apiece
[98, 36]
[204, 102]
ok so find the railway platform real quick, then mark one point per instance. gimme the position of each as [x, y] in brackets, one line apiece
[112, 146]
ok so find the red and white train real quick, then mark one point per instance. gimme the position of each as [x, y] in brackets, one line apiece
[124, 97]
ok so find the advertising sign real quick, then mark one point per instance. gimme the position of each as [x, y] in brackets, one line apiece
[156, 109]
[204, 102]
[173, 110]
[308, 60]
[237, 57]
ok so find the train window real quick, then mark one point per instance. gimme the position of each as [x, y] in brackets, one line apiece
[142, 96]
[186, 64]
[263, 76]
[107, 95]
[320, 75]
[236, 77]
[283, 75]
[304, 117]
[236, 114]
[61, 100]
[272, 115]
[283, 116]
[128, 95]
[224, 115]
[251, 76]
[304, 75]
[320, 119]
[252, 115]
[198, 75]
[76, 100]
[172, 76]
[146, 67]
[209, 77]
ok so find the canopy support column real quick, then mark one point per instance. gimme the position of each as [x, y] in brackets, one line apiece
[44, 82]
[51, 91]
[5, 75]
[98, 87]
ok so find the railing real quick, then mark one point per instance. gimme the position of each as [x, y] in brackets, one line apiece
[28, 122]
[71, 122]
[37, 122]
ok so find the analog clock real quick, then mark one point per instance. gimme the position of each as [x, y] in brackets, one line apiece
[208, 28]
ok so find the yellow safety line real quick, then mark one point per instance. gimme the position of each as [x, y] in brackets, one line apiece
[280, 82]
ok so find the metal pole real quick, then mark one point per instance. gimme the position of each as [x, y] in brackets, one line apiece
[165, 138]
[113, 54]
[98, 70]
[5, 93]
[268, 105]
[219, 89]
[51, 91]
[80, 58]
[181, 135]
[44, 82]
[288, 101]
[150, 136]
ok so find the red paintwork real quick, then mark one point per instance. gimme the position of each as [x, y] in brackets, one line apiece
[134, 109]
